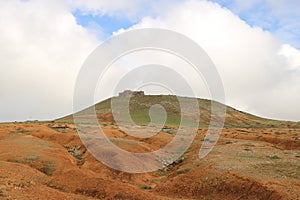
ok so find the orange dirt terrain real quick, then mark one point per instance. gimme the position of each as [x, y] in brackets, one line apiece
[254, 158]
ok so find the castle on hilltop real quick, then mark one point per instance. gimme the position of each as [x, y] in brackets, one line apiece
[129, 93]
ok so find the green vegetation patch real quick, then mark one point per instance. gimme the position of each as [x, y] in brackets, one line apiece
[182, 171]
[48, 168]
[282, 169]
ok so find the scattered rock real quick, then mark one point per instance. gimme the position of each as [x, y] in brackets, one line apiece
[168, 164]
[77, 153]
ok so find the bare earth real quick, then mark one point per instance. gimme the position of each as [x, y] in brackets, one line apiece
[48, 161]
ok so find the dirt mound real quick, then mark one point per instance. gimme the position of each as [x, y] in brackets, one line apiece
[217, 185]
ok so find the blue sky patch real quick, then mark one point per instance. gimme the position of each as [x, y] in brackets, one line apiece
[258, 14]
[106, 23]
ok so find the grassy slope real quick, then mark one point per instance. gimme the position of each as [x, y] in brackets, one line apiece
[139, 110]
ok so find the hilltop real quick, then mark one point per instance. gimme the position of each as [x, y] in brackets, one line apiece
[140, 105]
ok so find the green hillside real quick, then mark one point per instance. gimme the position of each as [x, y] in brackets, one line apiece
[139, 110]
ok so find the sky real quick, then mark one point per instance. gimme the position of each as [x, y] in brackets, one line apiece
[254, 44]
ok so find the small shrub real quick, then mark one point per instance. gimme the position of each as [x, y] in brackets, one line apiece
[161, 172]
[182, 171]
[14, 160]
[146, 187]
[156, 181]
[31, 158]
[274, 157]
[247, 149]
[48, 168]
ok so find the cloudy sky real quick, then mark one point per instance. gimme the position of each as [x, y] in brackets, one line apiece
[255, 45]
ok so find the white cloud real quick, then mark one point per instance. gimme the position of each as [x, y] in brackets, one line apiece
[282, 17]
[41, 51]
[257, 76]
[133, 10]
[292, 55]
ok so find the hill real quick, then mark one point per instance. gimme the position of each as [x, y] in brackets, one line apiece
[254, 158]
[140, 105]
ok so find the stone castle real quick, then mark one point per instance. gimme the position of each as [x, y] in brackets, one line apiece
[129, 93]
